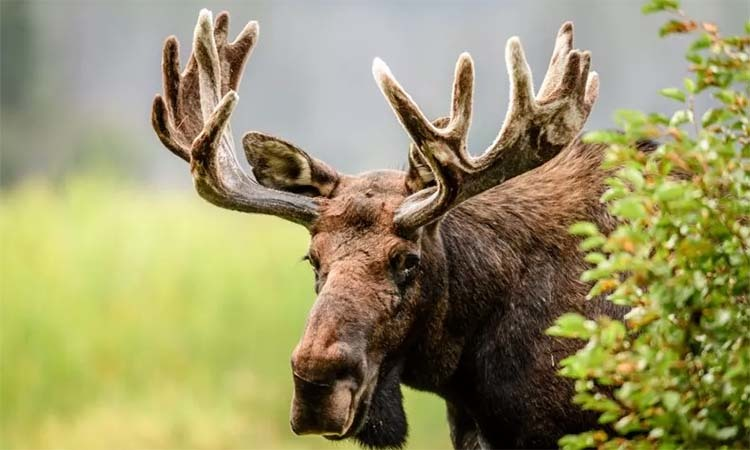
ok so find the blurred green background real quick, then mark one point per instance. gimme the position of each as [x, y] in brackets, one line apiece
[135, 315]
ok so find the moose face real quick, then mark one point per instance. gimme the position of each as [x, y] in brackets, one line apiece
[369, 233]
[366, 278]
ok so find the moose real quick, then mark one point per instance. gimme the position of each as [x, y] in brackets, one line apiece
[444, 276]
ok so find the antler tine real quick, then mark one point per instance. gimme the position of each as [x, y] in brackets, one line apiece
[165, 108]
[462, 98]
[192, 120]
[209, 69]
[563, 45]
[442, 149]
[411, 117]
[535, 129]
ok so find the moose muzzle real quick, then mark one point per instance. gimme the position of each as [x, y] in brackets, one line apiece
[327, 387]
[323, 409]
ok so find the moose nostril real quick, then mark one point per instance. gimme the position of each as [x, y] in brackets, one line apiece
[322, 382]
[324, 368]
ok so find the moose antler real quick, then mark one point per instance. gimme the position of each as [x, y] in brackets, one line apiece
[536, 128]
[192, 121]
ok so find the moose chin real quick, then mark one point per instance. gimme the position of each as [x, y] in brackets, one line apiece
[373, 415]
[443, 277]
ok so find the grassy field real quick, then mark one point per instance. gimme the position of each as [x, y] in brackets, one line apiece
[140, 319]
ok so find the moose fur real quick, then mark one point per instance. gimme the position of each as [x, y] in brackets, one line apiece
[497, 272]
[443, 277]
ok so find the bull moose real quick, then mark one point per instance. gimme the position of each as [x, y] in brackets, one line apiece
[442, 277]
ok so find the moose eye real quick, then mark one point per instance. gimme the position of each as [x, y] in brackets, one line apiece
[411, 261]
[404, 267]
[313, 260]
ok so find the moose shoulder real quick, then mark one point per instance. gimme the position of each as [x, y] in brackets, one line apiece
[443, 277]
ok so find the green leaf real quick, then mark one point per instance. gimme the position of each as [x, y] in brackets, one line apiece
[629, 208]
[604, 137]
[577, 441]
[671, 399]
[609, 417]
[680, 117]
[727, 433]
[673, 93]
[657, 118]
[572, 325]
[726, 96]
[583, 229]
[594, 258]
[669, 191]
[704, 41]
[689, 85]
[659, 5]
[612, 332]
[694, 58]
[676, 26]
[710, 117]
[592, 242]
[632, 175]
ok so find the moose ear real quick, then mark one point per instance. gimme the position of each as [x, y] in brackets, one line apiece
[419, 175]
[280, 165]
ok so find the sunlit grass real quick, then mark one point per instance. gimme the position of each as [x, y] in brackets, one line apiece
[140, 319]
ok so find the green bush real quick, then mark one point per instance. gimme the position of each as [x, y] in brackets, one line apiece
[676, 372]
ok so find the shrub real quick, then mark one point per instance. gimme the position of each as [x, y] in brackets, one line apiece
[676, 372]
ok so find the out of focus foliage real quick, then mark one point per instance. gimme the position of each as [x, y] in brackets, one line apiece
[676, 372]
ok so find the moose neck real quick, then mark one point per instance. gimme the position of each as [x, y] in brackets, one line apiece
[519, 269]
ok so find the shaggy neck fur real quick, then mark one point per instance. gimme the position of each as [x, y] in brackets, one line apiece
[509, 269]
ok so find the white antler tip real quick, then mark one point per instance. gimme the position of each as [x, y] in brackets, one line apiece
[205, 15]
[205, 26]
[513, 46]
[514, 55]
[465, 58]
[566, 28]
[226, 106]
[592, 83]
[464, 66]
[592, 89]
[380, 69]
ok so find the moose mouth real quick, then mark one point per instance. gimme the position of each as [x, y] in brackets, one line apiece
[375, 416]
[336, 410]
[360, 414]
[380, 420]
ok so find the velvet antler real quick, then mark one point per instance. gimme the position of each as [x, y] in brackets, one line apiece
[192, 120]
[536, 128]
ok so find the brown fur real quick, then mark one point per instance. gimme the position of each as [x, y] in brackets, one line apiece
[493, 275]
[443, 277]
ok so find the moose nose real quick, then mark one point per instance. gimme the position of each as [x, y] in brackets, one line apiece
[323, 365]
[325, 384]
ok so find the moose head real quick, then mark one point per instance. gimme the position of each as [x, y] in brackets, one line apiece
[380, 265]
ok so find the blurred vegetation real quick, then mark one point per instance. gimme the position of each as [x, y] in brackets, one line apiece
[676, 372]
[146, 319]
[16, 45]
